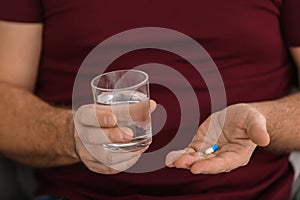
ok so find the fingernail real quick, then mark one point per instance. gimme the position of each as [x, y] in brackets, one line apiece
[169, 162]
[127, 133]
[109, 120]
[127, 137]
[171, 157]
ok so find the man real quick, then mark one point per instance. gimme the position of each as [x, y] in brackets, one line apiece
[35, 58]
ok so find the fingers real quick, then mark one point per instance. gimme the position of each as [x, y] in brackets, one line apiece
[89, 115]
[122, 166]
[138, 113]
[97, 154]
[213, 165]
[104, 115]
[96, 125]
[173, 156]
[243, 129]
[201, 141]
[99, 168]
[99, 136]
[99, 126]
[106, 118]
[186, 160]
[153, 105]
[257, 128]
[110, 158]
[113, 169]
[224, 162]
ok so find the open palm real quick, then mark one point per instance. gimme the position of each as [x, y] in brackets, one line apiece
[238, 129]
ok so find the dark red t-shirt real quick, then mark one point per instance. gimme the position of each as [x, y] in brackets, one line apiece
[246, 39]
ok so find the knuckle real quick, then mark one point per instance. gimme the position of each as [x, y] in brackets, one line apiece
[97, 169]
[245, 162]
[86, 115]
[82, 110]
[113, 171]
[228, 170]
[113, 135]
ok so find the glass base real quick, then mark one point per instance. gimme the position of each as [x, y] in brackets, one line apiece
[133, 145]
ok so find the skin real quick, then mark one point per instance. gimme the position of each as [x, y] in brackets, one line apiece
[271, 124]
[32, 131]
[93, 129]
[41, 135]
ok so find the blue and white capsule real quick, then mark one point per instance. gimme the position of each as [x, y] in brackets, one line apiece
[211, 149]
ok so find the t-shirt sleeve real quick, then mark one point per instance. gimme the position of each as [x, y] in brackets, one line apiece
[290, 20]
[21, 10]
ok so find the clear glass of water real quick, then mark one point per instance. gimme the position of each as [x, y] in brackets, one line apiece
[126, 94]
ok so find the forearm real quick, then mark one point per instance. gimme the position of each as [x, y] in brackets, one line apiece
[33, 132]
[283, 122]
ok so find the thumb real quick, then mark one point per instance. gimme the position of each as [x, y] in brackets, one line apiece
[256, 127]
[153, 105]
[106, 119]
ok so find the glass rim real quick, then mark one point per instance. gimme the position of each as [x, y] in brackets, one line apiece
[120, 89]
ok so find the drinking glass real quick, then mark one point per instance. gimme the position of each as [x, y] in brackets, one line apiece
[126, 94]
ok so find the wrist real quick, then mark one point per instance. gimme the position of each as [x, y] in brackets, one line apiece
[263, 107]
[268, 110]
[67, 141]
